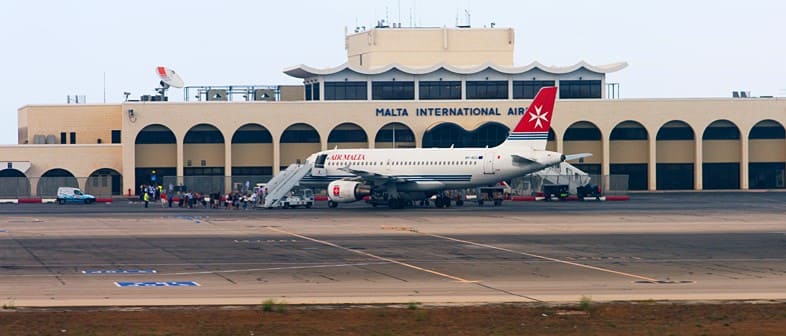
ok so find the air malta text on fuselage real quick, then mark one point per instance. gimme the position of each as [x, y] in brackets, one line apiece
[448, 111]
[348, 157]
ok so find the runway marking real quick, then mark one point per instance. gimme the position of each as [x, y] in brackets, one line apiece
[119, 271]
[276, 268]
[157, 284]
[401, 263]
[635, 276]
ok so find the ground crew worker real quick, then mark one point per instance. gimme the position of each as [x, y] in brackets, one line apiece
[146, 197]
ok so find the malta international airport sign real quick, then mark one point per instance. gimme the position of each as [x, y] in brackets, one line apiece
[384, 112]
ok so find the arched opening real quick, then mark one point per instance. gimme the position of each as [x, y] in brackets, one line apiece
[721, 156]
[252, 154]
[489, 134]
[394, 135]
[347, 135]
[203, 152]
[104, 182]
[766, 155]
[584, 137]
[14, 184]
[297, 143]
[629, 153]
[53, 179]
[155, 152]
[676, 156]
[444, 135]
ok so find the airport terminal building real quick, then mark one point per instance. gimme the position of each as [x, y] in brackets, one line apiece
[400, 87]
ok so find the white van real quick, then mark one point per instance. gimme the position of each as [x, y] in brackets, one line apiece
[70, 194]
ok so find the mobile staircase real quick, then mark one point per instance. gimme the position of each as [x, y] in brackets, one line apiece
[283, 183]
[564, 173]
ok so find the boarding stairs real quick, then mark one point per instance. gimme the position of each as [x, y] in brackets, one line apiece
[564, 173]
[283, 183]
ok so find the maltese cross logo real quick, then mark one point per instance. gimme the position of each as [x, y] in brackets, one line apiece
[538, 116]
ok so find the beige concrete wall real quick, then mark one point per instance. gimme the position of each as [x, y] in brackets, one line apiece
[769, 150]
[292, 92]
[551, 146]
[291, 152]
[676, 151]
[717, 151]
[22, 134]
[213, 154]
[422, 47]
[325, 116]
[594, 147]
[156, 155]
[629, 151]
[252, 155]
[80, 160]
[90, 122]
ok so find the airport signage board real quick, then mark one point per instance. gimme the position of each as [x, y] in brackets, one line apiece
[441, 111]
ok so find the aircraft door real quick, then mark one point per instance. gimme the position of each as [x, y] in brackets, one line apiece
[488, 163]
[319, 166]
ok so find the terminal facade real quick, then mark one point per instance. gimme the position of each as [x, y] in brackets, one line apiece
[400, 87]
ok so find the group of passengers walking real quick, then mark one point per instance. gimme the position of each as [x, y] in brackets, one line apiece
[189, 199]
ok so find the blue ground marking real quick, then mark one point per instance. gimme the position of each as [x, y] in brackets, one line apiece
[120, 271]
[156, 284]
[3, 230]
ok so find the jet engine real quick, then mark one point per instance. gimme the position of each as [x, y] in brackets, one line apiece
[347, 191]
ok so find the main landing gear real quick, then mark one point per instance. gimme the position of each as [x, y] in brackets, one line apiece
[442, 202]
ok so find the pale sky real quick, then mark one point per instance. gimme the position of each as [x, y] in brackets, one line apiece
[675, 49]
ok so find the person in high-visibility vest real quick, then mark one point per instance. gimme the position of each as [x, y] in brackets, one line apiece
[146, 197]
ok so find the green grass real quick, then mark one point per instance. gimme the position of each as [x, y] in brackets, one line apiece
[413, 305]
[585, 303]
[271, 305]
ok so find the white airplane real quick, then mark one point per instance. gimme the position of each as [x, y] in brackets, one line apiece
[398, 176]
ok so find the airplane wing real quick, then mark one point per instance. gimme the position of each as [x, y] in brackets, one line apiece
[376, 178]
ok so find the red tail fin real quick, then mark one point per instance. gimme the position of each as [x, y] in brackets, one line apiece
[539, 114]
[533, 128]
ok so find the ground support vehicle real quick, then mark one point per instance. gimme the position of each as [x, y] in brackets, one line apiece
[304, 198]
[73, 195]
[555, 192]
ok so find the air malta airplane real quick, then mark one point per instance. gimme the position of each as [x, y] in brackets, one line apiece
[400, 176]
